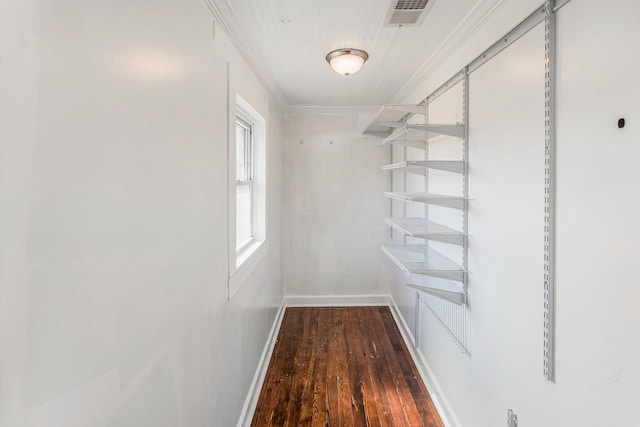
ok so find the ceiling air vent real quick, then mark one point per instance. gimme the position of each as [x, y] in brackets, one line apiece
[407, 12]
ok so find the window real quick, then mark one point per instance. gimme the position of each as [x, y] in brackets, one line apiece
[244, 183]
[247, 192]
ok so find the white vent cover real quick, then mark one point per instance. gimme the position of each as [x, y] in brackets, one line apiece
[407, 12]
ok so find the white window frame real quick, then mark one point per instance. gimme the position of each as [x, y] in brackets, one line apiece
[243, 260]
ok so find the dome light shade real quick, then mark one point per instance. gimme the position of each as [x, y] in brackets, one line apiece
[347, 61]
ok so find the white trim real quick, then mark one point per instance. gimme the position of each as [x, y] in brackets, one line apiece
[230, 25]
[332, 109]
[426, 373]
[336, 300]
[249, 407]
[465, 28]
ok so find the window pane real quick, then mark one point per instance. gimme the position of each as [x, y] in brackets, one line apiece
[240, 153]
[244, 230]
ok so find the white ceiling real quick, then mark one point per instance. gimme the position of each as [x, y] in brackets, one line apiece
[288, 41]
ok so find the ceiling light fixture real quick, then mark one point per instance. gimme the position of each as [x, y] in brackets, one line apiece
[347, 61]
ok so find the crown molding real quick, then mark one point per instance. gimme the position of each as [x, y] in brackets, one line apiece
[468, 25]
[225, 16]
[332, 109]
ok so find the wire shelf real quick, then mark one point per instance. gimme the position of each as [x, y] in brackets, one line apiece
[391, 117]
[420, 167]
[456, 297]
[430, 199]
[420, 228]
[420, 259]
[408, 130]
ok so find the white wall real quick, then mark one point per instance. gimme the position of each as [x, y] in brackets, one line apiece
[332, 247]
[113, 257]
[598, 378]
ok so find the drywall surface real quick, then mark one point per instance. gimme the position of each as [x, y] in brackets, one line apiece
[333, 205]
[597, 376]
[113, 184]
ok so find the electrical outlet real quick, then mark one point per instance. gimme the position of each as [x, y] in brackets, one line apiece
[512, 419]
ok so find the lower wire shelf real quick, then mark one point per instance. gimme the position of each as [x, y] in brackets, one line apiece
[421, 228]
[453, 202]
[420, 167]
[422, 260]
[456, 130]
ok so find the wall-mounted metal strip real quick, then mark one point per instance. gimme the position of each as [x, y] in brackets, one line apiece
[445, 87]
[411, 109]
[465, 175]
[559, 4]
[549, 189]
[416, 335]
[521, 29]
[404, 188]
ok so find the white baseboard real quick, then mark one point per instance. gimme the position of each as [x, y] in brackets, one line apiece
[336, 300]
[435, 391]
[249, 407]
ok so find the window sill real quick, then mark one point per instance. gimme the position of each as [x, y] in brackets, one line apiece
[246, 261]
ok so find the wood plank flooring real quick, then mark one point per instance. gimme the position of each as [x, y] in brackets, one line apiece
[342, 367]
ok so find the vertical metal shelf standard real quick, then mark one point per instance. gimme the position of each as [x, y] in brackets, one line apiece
[550, 184]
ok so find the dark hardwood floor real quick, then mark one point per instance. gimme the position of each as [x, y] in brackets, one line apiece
[342, 367]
